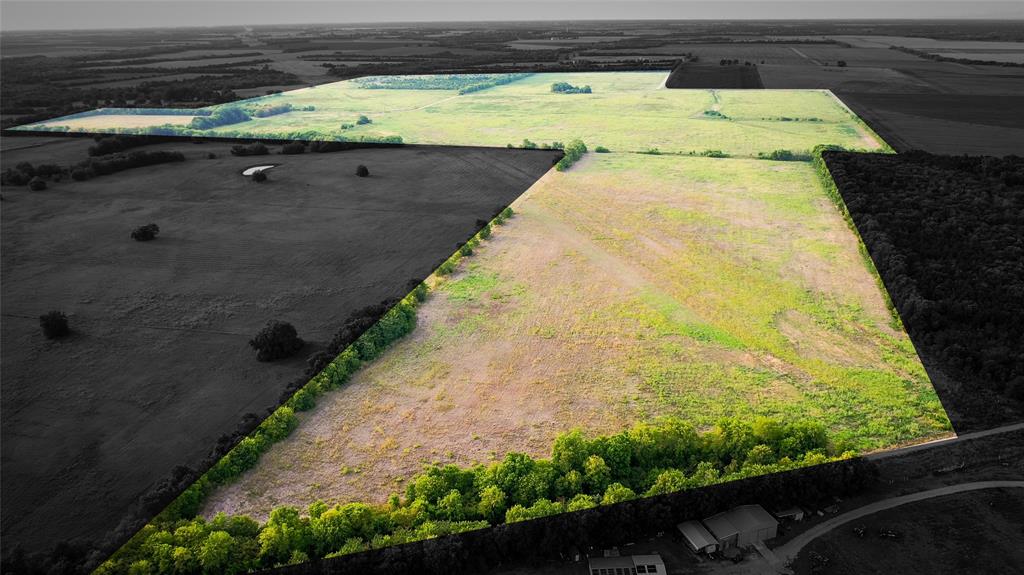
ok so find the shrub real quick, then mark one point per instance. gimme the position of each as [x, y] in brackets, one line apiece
[220, 117]
[601, 150]
[114, 144]
[145, 233]
[324, 147]
[567, 88]
[362, 171]
[260, 176]
[256, 149]
[784, 156]
[293, 148]
[15, 177]
[82, 174]
[714, 154]
[574, 150]
[276, 340]
[419, 292]
[211, 156]
[112, 164]
[54, 324]
[363, 120]
[37, 184]
[317, 362]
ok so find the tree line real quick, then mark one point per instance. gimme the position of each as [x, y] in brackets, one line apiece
[581, 473]
[946, 234]
[105, 165]
[464, 83]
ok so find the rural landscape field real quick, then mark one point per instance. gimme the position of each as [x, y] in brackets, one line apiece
[627, 289]
[508, 299]
[682, 268]
[417, 111]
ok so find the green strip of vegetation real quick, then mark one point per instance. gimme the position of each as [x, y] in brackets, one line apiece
[649, 459]
[832, 191]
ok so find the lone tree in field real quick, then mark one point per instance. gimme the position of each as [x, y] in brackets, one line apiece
[277, 340]
[145, 233]
[54, 324]
[362, 171]
[37, 184]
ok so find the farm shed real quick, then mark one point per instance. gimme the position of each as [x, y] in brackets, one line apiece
[697, 537]
[742, 526]
[723, 530]
[627, 565]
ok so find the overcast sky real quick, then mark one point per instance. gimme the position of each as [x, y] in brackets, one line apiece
[75, 14]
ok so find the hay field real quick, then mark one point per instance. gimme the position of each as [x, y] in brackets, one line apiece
[629, 287]
[627, 111]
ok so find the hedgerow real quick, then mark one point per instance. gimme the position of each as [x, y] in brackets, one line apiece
[581, 473]
[105, 165]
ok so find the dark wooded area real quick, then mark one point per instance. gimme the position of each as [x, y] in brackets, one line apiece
[947, 236]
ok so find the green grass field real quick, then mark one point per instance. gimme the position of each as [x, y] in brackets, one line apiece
[627, 111]
[628, 288]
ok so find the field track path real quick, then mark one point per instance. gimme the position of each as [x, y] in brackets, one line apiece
[791, 549]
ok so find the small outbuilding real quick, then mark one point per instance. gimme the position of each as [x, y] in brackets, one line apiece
[794, 514]
[754, 524]
[697, 537]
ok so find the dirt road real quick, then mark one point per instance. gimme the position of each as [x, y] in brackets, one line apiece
[791, 549]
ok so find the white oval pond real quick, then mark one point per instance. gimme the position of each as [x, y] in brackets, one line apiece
[254, 169]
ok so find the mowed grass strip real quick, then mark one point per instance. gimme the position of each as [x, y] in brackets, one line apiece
[627, 288]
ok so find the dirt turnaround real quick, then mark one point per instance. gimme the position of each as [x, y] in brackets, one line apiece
[157, 366]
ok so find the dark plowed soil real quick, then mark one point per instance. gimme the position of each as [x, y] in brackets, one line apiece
[944, 123]
[157, 366]
[714, 76]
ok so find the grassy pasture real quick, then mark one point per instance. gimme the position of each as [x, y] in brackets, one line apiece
[627, 288]
[627, 111]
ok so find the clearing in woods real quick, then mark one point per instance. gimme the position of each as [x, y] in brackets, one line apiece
[629, 287]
